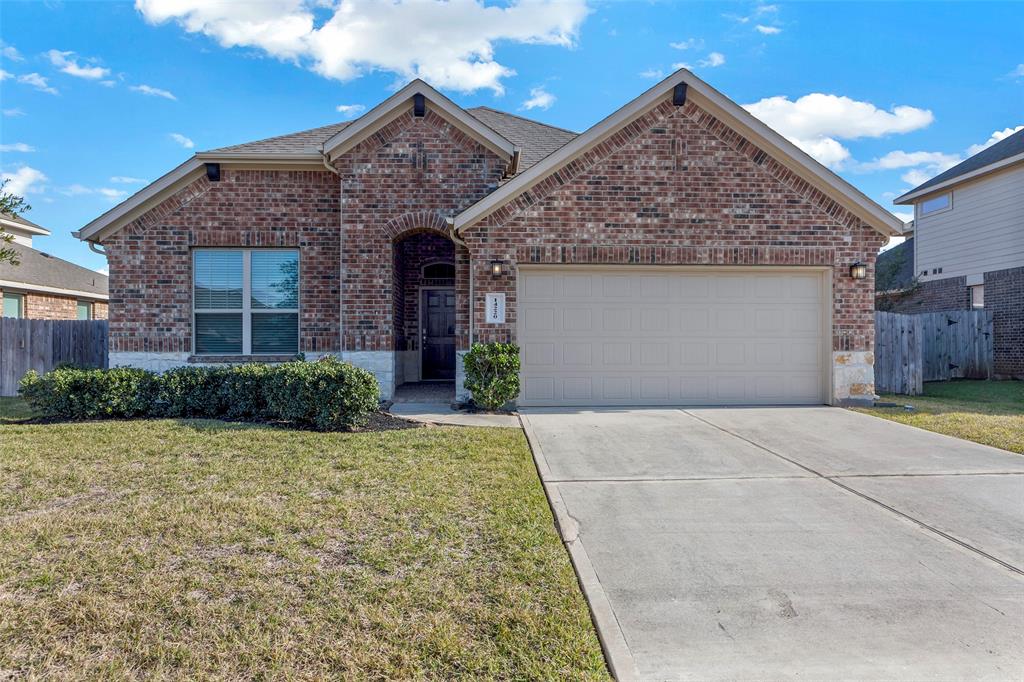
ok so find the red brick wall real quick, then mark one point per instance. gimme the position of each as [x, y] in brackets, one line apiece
[932, 296]
[679, 187]
[403, 179]
[99, 311]
[151, 267]
[50, 307]
[1004, 296]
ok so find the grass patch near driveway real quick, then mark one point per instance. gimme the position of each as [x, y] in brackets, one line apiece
[201, 549]
[987, 412]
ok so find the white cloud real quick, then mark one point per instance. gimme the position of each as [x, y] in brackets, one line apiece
[105, 270]
[652, 74]
[688, 44]
[996, 136]
[1018, 72]
[13, 112]
[768, 30]
[902, 159]
[350, 110]
[182, 140]
[4, 75]
[10, 52]
[26, 180]
[77, 189]
[539, 99]
[916, 176]
[112, 194]
[17, 147]
[449, 44]
[894, 241]
[108, 83]
[67, 64]
[816, 122]
[127, 180]
[714, 59]
[38, 82]
[153, 92]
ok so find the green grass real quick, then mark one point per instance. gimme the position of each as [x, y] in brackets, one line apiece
[988, 412]
[199, 549]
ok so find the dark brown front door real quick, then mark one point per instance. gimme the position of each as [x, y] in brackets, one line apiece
[438, 328]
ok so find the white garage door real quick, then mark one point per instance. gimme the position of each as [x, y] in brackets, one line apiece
[649, 336]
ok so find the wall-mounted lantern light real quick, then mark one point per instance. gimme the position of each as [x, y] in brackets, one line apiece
[497, 267]
[858, 270]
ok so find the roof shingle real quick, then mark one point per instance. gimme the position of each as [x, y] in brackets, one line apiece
[41, 269]
[1004, 149]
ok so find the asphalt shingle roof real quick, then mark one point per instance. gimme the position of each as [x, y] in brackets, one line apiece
[41, 269]
[535, 140]
[894, 269]
[1004, 149]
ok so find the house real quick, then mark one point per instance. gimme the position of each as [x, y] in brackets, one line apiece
[967, 249]
[45, 287]
[678, 251]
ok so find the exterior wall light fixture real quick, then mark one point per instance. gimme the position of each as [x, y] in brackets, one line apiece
[858, 270]
[497, 267]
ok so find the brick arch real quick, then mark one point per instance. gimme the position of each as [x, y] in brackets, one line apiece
[417, 221]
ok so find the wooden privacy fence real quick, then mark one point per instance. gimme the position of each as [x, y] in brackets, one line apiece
[43, 344]
[913, 349]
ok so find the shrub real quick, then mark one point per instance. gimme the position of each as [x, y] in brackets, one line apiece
[192, 392]
[492, 374]
[243, 392]
[326, 394]
[75, 393]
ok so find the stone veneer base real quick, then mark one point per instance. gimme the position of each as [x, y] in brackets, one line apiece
[853, 377]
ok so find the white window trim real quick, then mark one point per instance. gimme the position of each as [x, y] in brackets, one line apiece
[22, 299]
[973, 288]
[949, 207]
[247, 310]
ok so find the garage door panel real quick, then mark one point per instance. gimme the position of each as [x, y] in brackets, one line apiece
[637, 338]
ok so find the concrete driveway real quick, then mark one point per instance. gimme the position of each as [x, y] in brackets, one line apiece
[774, 543]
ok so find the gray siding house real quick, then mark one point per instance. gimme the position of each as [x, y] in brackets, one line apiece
[966, 248]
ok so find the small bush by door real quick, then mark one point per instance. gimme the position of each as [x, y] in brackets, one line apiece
[492, 374]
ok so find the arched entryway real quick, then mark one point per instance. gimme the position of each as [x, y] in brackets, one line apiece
[424, 308]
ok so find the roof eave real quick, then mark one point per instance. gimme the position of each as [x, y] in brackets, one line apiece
[918, 192]
[24, 226]
[809, 169]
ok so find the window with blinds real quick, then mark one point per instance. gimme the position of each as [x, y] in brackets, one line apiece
[246, 301]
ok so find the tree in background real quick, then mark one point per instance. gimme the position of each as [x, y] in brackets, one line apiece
[12, 205]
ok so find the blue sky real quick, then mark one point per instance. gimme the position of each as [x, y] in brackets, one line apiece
[100, 97]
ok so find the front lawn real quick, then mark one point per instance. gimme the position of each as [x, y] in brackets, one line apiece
[988, 412]
[200, 549]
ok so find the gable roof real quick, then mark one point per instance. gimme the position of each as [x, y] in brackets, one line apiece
[398, 104]
[535, 140]
[40, 271]
[1007, 151]
[722, 107]
[19, 224]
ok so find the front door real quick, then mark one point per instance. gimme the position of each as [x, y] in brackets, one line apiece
[437, 326]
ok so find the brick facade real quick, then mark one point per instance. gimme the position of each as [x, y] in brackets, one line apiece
[405, 178]
[44, 306]
[679, 187]
[1004, 296]
[151, 266]
[675, 187]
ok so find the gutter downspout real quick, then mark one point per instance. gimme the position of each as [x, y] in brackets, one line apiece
[454, 236]
[341, 256]
[95, 248]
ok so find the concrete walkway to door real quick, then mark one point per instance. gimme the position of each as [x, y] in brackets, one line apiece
[775, 543]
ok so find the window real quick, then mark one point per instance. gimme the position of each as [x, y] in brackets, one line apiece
[246, 302]
[439, 271]
[14, 305]
[84, 310]
[943, 202]
[978, 296]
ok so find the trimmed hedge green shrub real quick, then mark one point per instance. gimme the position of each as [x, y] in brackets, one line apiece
[192, 392]
[325, 395]
[75, 393]
[492, 374]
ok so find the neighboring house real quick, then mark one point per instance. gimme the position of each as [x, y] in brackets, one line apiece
[44, 287]
[679, 251]
[967, 249]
